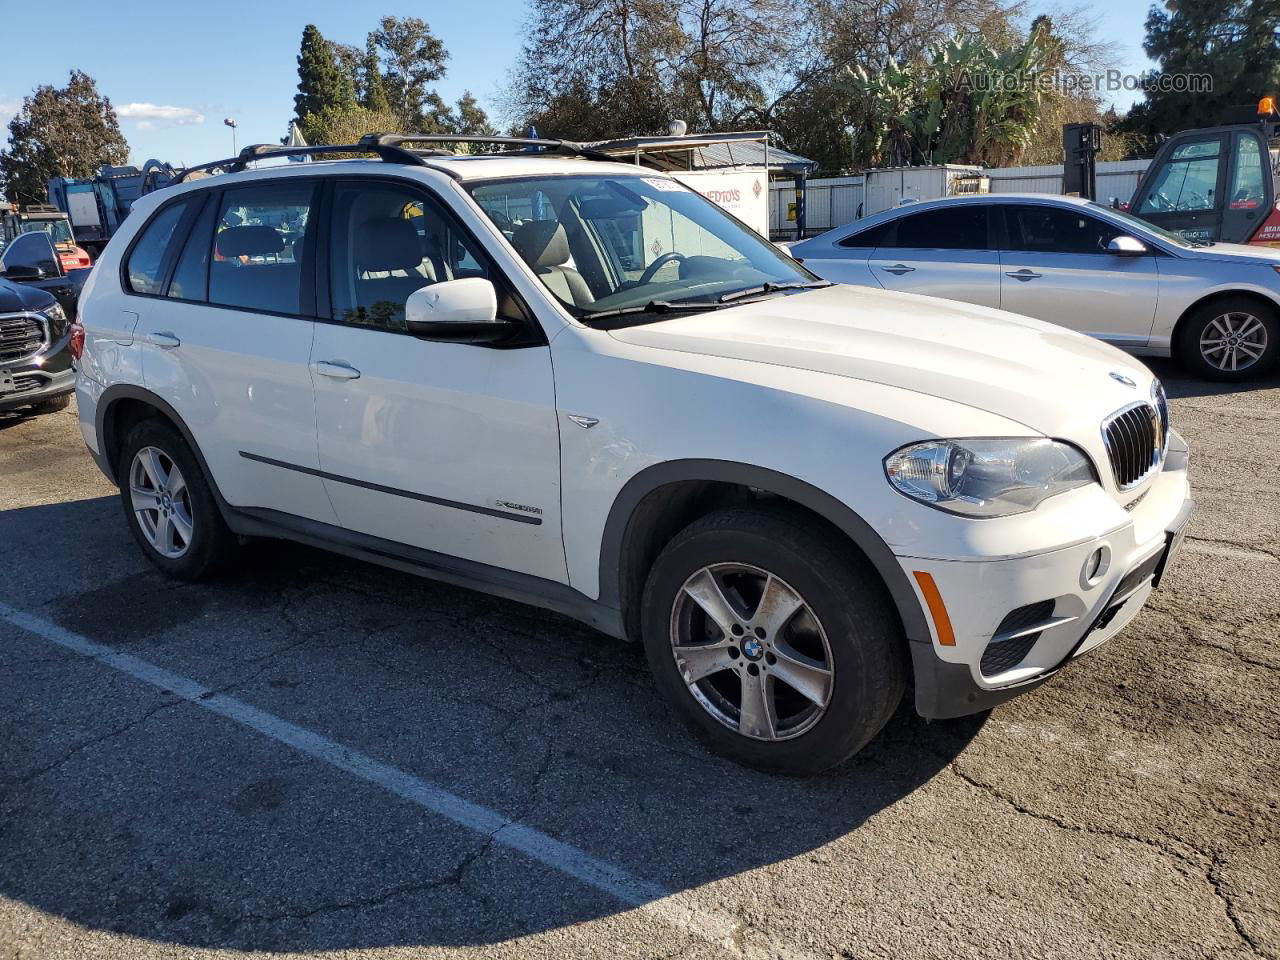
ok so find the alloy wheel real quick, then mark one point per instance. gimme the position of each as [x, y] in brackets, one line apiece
[161, 502]
[1233, 341]
[751, 651]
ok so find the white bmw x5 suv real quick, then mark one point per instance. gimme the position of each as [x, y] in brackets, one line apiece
[581, 385]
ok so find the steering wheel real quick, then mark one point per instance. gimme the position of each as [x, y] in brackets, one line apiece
[652, 270]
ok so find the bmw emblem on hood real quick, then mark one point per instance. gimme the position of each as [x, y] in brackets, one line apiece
[1127, 381]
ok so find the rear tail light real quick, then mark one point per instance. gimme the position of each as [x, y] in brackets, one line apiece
[76, 343]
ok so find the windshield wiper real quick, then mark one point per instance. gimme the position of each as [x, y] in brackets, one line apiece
[653, 306]
[770, 287]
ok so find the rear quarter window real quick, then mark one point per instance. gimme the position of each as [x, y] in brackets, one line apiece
[144, 269]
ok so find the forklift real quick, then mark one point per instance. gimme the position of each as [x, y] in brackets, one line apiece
[1217, 184]
[42, 217]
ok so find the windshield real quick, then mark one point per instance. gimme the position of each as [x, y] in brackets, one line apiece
[609, 243]
[1143, 224]
[59, 230]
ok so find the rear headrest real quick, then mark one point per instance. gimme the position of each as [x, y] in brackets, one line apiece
[387, 243]
[541, 243]
[252, 241]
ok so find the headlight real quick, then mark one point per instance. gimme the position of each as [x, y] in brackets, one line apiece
[57, 320]
[987, 477]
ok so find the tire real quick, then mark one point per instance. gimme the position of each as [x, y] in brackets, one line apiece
[200, 544]
[748, 551]
[1249, 320]
[54, 404]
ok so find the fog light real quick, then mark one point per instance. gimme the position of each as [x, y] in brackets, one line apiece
[1095, 566]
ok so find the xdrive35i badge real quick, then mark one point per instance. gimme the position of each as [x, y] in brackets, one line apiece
[1127, 381]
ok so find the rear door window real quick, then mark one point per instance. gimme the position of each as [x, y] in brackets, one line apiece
[150, 254]
[956, 228]
[879, 236]
[258, 243]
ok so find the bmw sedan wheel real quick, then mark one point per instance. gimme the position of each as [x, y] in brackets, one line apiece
[169, 505]
[773, 639]
[1231, 339]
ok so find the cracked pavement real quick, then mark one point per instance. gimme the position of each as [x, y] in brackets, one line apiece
[1128, 808]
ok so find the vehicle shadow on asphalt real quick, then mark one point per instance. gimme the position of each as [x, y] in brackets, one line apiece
[1178, 384]
[122, 809]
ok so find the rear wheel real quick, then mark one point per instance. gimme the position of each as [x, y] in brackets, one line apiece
[169, 506]
[771, 640]
[1232, 339]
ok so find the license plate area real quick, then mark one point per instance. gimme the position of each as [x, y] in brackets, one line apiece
[7, 384]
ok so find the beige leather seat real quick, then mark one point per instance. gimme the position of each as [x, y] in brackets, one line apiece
[545, 248]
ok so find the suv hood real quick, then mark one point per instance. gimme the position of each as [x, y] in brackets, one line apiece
[14, 298]
[1053, 380]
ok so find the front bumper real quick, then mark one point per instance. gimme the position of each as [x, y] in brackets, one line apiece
[1017, 621]
[30, 382]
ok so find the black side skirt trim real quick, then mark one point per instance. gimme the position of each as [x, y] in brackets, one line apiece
[521, 587]
[394, 491]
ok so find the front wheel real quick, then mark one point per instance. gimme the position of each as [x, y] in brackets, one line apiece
[772, 640]
[1231, 339]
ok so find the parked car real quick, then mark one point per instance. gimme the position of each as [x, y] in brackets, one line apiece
[635, 411]
[1214, 306]
[35, 351]
[32, 260]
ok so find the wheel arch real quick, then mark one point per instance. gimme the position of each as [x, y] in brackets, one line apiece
[123, 405]
[635, 530]
[1264, 300]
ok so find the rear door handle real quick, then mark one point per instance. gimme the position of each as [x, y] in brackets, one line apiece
[164, 340]
[898, 269]
[335, 369]
[1024, 274]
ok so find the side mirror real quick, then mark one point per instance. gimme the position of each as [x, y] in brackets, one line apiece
[464, 310]
[23, 272]
[1126, 247]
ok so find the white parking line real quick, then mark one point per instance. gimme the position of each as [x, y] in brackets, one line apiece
[676, 909]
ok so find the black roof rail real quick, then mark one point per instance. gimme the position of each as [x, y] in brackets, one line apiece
[390, 147]
[531, 144]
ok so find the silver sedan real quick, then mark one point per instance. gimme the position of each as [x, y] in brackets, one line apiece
[1216, 307]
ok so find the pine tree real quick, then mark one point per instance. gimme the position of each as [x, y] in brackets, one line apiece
[1234, 42]
[60, 132]
[322, 83]
[374, 94]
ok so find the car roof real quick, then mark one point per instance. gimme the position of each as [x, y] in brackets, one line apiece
[919, 206]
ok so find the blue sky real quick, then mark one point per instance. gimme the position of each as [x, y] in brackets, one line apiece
[174, 71]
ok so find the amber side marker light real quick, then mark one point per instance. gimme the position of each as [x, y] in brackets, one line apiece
[937, 609]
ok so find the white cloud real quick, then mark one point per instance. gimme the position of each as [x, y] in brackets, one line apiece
[152, 113]
[8, 110]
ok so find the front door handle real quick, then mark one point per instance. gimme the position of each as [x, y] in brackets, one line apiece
[898, 269]
[165, 340]
[1024, 274]
[335, 369]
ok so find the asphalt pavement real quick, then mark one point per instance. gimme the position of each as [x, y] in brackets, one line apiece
[317, 757]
